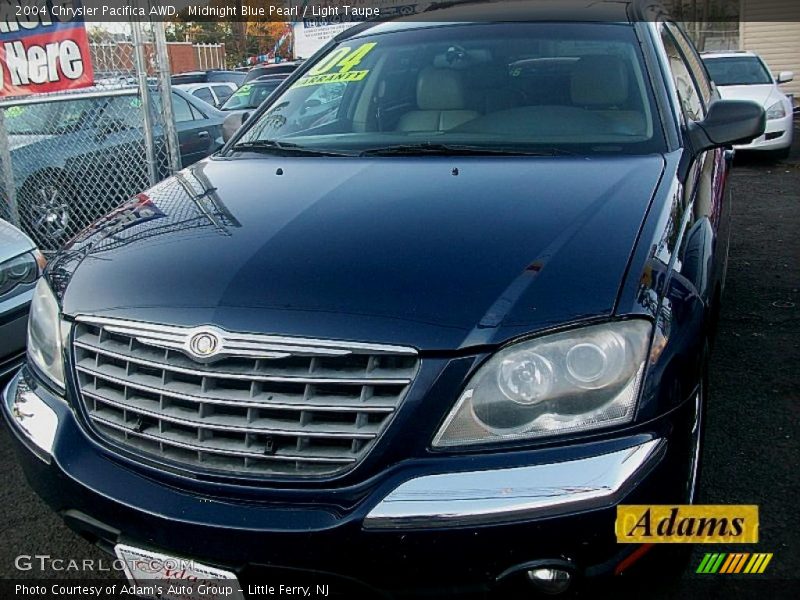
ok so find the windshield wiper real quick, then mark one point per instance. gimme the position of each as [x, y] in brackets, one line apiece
[428, 148]
[284, 148]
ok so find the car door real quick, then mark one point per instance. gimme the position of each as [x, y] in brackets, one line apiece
[706, 226]
[197, 131]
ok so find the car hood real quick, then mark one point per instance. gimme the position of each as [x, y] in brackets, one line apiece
[765, 95]
[12, 241]
[434, 252]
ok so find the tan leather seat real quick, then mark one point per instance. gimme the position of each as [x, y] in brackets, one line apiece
[600, 84]
[440, 101]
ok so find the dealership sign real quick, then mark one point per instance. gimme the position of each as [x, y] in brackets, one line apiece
[40, 53]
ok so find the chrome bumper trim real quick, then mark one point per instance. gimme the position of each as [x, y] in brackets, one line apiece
[34, 419]
[507, 495]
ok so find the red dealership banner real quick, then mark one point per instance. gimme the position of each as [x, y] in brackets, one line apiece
[39, 53]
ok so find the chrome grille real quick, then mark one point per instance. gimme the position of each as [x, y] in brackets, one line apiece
[262, 405]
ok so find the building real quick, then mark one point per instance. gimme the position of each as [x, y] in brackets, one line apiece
[771, 28]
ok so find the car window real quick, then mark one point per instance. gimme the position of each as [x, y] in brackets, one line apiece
[49, 118]
[204, 94]
[251, 95]
[125, 111]
[198, 114]
[738, 70]
[688, 94]
[578, 87]
[223, 92]
[181, 109]
[694, 62]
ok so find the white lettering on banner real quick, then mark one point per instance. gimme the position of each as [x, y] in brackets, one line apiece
[43, 64]
[26, 14]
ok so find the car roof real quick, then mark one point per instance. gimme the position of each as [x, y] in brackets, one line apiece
[190, 87]
[93, 92]
[731, 54]
[472, 11]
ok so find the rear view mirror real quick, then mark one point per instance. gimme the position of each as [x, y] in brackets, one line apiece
[728, 122]
[785, 77]
[232, 123]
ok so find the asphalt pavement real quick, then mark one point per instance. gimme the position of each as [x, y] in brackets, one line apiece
[751, 452]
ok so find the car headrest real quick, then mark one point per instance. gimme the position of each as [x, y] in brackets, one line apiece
[440, 89]
[599, 80]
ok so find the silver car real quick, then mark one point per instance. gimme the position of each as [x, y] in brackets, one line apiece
[21, 265]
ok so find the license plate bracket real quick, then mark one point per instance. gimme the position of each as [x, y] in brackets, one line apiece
[165, 577]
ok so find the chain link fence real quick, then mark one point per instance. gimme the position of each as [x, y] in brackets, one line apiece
[68, 158]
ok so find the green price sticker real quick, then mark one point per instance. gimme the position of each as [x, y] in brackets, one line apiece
[244, 90]
[338, 67]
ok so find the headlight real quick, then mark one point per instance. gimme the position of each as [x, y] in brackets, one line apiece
[563, 383]
[19, 270]
[776, 111]
[45, 349]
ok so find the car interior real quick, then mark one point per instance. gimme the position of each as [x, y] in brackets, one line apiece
[553, 96]
[552, 91]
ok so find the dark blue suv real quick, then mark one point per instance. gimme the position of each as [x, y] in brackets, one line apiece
[443, 303]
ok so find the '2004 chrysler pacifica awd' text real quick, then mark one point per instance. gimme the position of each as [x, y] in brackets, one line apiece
[432, 313]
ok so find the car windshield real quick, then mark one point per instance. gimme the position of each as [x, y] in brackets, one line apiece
[738, 70]
[512, 87]
[49, 118]
[251, 95]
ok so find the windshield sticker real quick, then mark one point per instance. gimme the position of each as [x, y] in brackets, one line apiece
[14, 111]
[136, 103]
[346, 59]
[243, 91]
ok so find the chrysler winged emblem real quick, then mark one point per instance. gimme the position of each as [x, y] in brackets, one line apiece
[204, 344]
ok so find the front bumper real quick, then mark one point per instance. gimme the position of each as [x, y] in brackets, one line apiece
[777, 136]
[393, 532]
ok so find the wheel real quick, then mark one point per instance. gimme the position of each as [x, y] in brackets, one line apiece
[675, 558]
[46, 208]
[696, 439]
[667, 563]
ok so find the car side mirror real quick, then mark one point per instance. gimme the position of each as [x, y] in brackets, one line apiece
[232, 123]
[785, 77]
[728, 122]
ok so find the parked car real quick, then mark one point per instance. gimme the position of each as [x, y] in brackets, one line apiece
[209, 76]
[76, 155]
[745, 76]
[284, 68]
[215, 94]
[428, 339]
[246, 99]
[21, 265]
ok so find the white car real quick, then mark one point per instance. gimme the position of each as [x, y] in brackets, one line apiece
[215, 93]
[745, 76]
